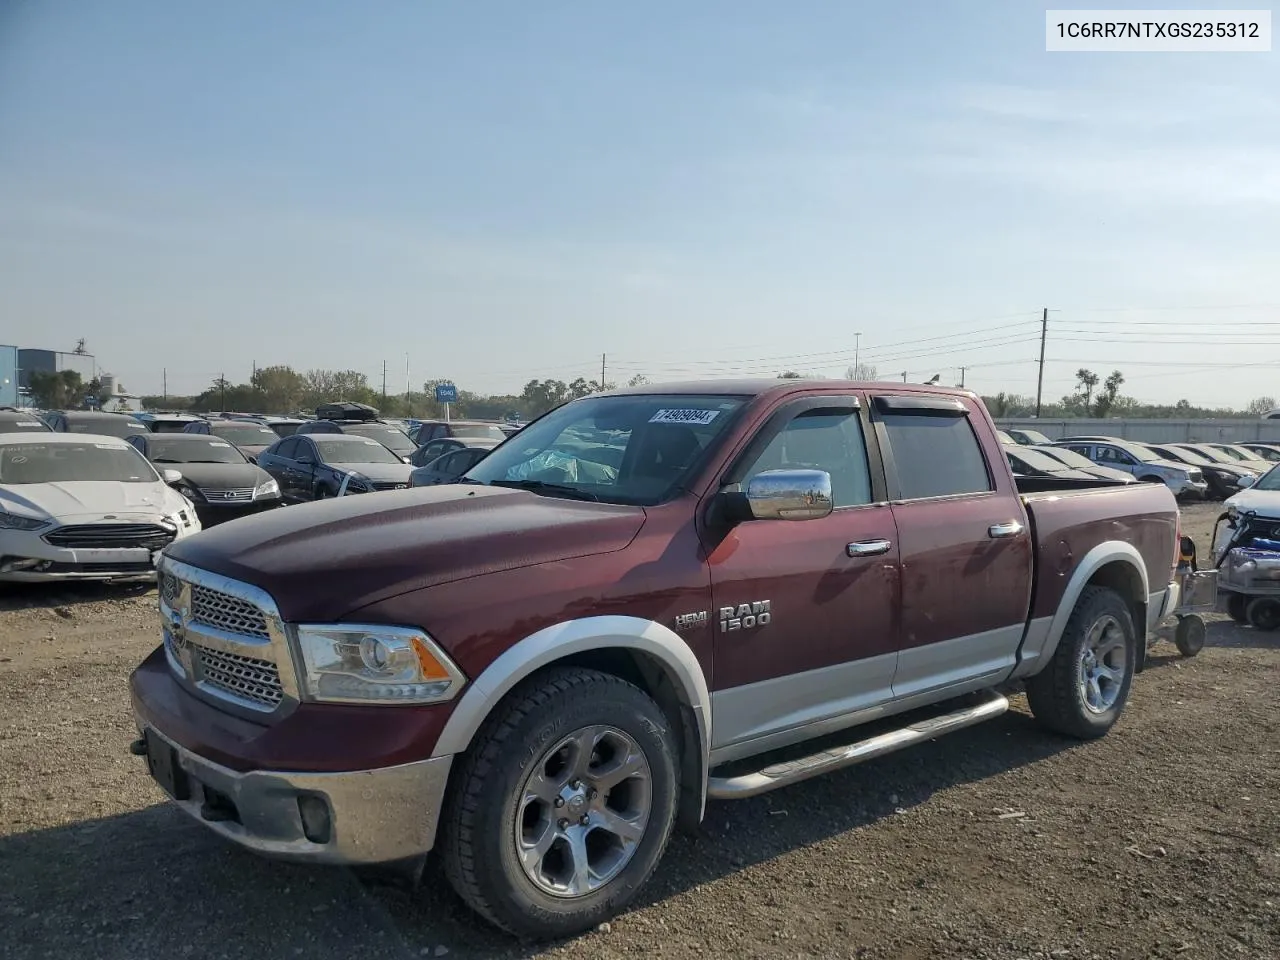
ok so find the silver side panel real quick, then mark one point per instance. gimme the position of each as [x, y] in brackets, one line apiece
[761, 710]
[989, 656]
[1032, 657]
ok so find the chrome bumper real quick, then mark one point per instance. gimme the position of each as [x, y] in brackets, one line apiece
[374, 816]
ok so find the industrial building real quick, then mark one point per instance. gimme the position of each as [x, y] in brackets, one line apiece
[8, 376]
[18, 363]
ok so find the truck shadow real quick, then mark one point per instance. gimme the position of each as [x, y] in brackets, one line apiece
[152, 884]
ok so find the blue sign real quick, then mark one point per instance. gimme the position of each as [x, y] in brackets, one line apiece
[446, 393]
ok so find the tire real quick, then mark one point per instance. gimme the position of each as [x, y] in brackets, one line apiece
[1264, 613]
[1190, 635]
[1238, 607]
[493, 807]
[1061, 696]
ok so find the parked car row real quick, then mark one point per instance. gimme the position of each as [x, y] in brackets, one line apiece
[1190, 470]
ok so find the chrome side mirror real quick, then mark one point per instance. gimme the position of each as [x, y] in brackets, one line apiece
[790, 495]
[171, 476]
[1247, 480]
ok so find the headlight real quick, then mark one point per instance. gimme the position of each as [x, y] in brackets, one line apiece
[345, 663]
[355, 483]
[190, 492]
[268, 488]
[9, 521]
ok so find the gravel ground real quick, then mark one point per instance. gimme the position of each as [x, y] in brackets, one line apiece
[1162, 840]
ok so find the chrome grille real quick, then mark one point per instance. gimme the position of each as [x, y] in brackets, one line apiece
[225, 612]
[245, 677]
[390, 484]
[170, 588]
[235, 495]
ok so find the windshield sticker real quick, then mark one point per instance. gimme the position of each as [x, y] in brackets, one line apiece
[25, 423]
[219, 443]
[696, 417]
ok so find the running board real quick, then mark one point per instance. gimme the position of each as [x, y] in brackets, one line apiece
[794, 771]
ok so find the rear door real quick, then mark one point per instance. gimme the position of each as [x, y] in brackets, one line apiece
[805, 612]
[965, 548]
[282, 464]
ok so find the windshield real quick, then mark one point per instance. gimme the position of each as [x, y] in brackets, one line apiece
[1034, 460]
[1145, 454]
[389, 436]
[106, 426]
[1240, 453]
[1033, 436]
[1070, 458]
[1269, 480]
[20, 424]
[284, 429]
[169, 426]
[354, 451]
[1188, 456]
[194, 448]
[250, 434]
[62, 462]
[625, 449]
[489, 431]
[1214, 454]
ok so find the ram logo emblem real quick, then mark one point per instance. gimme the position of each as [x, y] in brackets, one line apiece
[745, 616]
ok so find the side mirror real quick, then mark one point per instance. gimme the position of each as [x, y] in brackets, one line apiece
[1248, 480]
[171, 476]
[789, 495]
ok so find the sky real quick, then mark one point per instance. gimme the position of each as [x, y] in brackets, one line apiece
[493, 192]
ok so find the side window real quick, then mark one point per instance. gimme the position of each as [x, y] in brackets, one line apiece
[289, 449]
[827, 439]
[936, 456]
[1084, 451]
[305, 451]
[451, 464]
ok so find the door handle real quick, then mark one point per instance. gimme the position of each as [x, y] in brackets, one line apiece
[868, 548]
[1001, 531]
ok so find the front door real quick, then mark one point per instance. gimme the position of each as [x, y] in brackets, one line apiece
[965, 547]
[805, 612]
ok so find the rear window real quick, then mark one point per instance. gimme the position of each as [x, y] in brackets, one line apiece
[936, 456]
[106, 426]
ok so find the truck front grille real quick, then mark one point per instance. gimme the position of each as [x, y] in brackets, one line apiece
[248, 677]
[222, 611]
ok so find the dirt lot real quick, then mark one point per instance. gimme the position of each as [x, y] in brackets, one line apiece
[1163, 840]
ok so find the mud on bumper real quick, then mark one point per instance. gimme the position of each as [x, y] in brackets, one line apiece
[350, 818]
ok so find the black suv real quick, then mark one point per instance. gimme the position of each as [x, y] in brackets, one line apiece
[359, 420]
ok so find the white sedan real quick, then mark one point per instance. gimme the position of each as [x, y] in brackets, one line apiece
[76, 506]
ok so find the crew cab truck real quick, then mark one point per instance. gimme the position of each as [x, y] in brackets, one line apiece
[627, 609]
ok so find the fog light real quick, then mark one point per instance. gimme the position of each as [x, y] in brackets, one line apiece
[315, 819]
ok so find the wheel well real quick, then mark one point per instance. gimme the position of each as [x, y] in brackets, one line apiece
[1125, 580]
[645, 672]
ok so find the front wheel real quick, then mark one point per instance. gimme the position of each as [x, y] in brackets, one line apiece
[563, 806]
[1083, 689]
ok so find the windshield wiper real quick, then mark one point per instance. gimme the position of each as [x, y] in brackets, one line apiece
[553, 489]
[165, 460]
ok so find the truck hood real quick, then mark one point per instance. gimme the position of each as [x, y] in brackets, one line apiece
[322, 560]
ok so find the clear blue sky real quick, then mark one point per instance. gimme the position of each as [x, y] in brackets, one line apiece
[505, 190]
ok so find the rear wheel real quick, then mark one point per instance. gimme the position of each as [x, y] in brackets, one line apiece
[1083, 689]
[563, 806]
[1264, 614]
[1190, 635]
[1238, 607]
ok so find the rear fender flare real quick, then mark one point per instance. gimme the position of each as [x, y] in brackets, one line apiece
[659, 643]
[1112, 551]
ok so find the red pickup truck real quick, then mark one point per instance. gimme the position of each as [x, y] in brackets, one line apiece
[626, 609]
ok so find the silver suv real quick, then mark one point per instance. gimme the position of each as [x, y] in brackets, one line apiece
[1143, 463]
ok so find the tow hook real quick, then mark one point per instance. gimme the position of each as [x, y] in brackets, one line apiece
[138, 748]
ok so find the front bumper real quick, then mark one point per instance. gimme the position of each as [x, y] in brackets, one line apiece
[1189, 490]
[26, 557]
[369, 816]
[212, 512]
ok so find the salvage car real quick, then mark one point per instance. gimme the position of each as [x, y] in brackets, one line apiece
[1134, 458]
[1075, 461]
[216, 477]
[84, 508]
[167, 422]
[371, 428]
[1025, 462]
[92, 421]
[1027, 438]
[1223, 479]
[429, 430]
[539, 671]
[448, 467]
[316, 467]
[249, 436]
[1267, 451]
[434, 449]
[19, 421]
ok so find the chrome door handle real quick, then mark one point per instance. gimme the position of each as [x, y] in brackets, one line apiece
[1000, 531]
[868, 548]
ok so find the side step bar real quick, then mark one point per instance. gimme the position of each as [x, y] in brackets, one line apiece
[793, 771]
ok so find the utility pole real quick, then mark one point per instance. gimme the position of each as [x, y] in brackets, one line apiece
[1044, 332]
[408, 394]
[904, 376]
[384, 383]
[222, 385]
[857, 349]
[962, 369]
[602, 359]
[164, 379]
